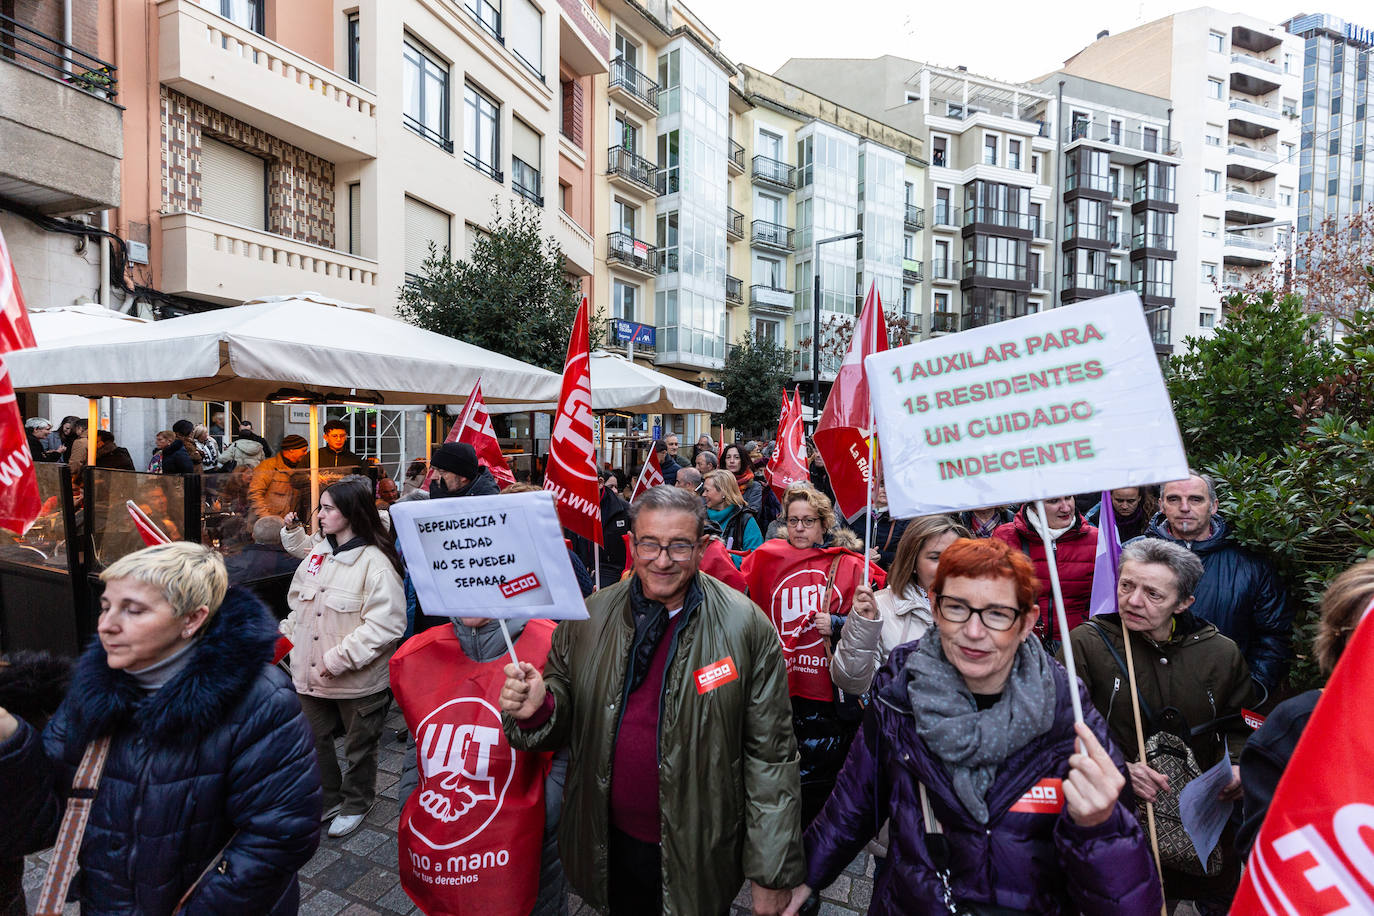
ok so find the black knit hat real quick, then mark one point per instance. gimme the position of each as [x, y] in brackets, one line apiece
[292, 442]
[458, 458]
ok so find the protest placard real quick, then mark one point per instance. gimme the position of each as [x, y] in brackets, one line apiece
[1070, 400]
[489, 556]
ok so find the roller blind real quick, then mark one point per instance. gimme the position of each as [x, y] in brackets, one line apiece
[525, 143]
[424, 224]
[525, 33]
[233, 184]
[355, 218]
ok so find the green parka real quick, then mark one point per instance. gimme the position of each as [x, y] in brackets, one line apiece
[729, 783]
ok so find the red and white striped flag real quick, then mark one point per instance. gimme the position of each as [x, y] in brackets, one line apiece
[474, 427]
[147, 529]
[651, 476]
[19, 500]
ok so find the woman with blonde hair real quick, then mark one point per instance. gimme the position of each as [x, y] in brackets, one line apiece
[725, 507]
[898, 614]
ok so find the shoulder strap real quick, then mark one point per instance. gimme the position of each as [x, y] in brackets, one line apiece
[1145, 711]
[62, 867]
[825, 601]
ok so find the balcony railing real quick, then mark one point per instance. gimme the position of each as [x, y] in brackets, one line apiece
[525, 181]
[632, 82]
[762, 295]
[771, 170]
[944, 322]
[667, 261]
[1241, 197]
[734, 289]
[1130, 139]
[632, 167]
[1040, 279]
[912, 270]
[945, 215]
[915, 217]
[1118, 238]
[943, 269]
[1241, 241]
[1152, 240]
[632, 252]
[1264, 111]
[737, 155]
[763, 232]
[1117, 286]
[666, 181]
[50, 56]
[1261, 63]
[1042, 228]
[734, 223]
[1262, 154]
[486, 168]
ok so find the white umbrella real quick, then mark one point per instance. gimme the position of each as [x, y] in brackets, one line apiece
[65, 322]
[619, 384]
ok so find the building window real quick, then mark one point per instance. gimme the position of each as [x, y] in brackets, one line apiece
[526, 38]
[233, 184]
[565, 197]
[626, 50]
[351, 32]
[1035, 164]
[1114, 131]
[1286, 196]
[487, 13]
[1149, 139]
[1209, 272]
[246, 13]
[766, 329]
[912, 97]
[1212, 136]
[623, 296]
[1117, 191]
[941, 303]
[1014, 154]
[1211, 180]
[424, 83]
[525, 162]
[939, 154]
[424, 225]
[1206, 319]
[1215, 87]
[1211, 225]
[481, 132]
[1216, 42]
[355, 218]
[989, 149]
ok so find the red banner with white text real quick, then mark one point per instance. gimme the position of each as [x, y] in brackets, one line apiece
[787, 465]
[19, 501]
[571, 472]
[651, 476]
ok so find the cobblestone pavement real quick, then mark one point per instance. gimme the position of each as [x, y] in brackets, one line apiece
[356, 876]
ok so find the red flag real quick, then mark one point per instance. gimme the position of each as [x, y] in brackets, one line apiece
[473, 426]
[651, 476]
[19, 500]
[787, 464]
[842, 434]
[1313, 854]
[147, 529]
[571, 474]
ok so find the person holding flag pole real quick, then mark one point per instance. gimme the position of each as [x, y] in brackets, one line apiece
[572, 475]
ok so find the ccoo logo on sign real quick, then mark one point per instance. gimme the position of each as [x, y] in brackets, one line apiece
[465, 768]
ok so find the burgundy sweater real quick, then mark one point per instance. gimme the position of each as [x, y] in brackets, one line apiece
[634, 768]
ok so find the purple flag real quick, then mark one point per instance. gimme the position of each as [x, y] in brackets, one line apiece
[1108, 556]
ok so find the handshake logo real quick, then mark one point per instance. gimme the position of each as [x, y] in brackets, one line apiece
[465, 767]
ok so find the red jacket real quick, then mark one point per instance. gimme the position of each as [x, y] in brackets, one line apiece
[1075, 553]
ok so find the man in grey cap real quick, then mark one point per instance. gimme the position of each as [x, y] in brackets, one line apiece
[271, 491]
[457, 472]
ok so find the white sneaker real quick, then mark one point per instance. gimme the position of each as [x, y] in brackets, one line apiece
[332, 813]
[345, 824]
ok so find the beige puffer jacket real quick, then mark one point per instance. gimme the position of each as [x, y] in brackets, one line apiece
[865, 644]
[348, 612]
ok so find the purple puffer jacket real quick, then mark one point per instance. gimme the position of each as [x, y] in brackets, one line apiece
[1038, 863]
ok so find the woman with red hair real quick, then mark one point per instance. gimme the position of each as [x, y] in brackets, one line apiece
[995, 799]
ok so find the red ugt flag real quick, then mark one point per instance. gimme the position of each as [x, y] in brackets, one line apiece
[787, 465]
[19, 502]
[474, 427]
[842, 434]
[651, 476]
[1315, 852]
[571, 474]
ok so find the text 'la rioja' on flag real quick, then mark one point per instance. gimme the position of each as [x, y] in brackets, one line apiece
[651, 476]
[842, 434]
[571, 473]
[19, 500]
[1315, 850]
[787, 464]
[1107, 562]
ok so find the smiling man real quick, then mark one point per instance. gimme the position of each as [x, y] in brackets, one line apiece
[683, 779]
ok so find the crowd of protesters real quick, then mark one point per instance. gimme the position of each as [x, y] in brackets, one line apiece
[763, 689]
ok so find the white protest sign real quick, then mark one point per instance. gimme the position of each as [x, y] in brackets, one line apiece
[489, 556]
[1070, 400]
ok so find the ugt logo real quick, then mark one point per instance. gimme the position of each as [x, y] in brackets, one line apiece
[795, 599]
[465, 769]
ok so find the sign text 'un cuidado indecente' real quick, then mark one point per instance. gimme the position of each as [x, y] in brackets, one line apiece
[488, 556]
[1069, 400]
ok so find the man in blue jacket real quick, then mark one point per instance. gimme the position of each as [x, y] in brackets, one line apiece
[1239, 591]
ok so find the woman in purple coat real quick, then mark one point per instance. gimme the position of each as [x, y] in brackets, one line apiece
[969, 751]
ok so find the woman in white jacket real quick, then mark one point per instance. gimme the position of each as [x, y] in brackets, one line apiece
[898, 614]
[348, 612]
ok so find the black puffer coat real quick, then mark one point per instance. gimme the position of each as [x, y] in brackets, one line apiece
[222, 746]
[1241, 595]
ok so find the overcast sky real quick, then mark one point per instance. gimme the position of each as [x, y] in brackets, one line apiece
[1014, 40]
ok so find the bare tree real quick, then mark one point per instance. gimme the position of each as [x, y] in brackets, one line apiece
[837, 331]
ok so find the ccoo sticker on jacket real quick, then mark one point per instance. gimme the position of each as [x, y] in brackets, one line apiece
[715, 674]
[1045, 797]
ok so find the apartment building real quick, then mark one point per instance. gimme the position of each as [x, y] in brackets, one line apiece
[987, 191]
[1337, 126]
[1118, 206]
[813, 170]
[1234, 82]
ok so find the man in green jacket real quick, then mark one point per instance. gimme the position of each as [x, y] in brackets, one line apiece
[683, 778]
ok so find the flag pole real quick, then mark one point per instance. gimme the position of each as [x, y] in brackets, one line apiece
[1060, 615]
[872, 457]
[1140, 745]
[505, 631]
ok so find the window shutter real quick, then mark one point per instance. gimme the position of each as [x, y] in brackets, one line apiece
[525, 144]
[572, 111]
[424, 224]
[355, 218]
[233, 184]
[525, 33]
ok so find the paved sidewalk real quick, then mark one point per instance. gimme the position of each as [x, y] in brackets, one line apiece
[356, 876]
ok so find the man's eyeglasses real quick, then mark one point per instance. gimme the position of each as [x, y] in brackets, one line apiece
[810, 522]
[678, 551]
[994, 616]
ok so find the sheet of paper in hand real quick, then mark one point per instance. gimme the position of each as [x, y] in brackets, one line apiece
[1069, 400]
[489, 556]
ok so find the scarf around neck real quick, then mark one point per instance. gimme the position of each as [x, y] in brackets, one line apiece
[1033, 519]
[973, 743]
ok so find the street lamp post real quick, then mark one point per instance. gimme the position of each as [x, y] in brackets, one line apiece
[816, 315]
